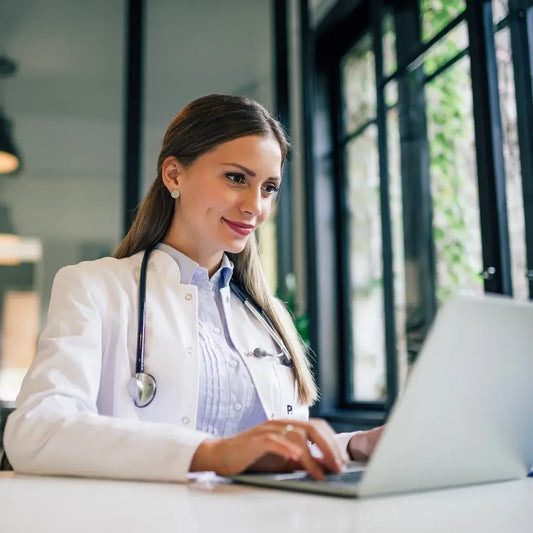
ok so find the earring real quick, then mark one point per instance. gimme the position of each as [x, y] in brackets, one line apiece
[175, 193]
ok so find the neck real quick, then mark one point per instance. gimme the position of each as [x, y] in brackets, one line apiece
[210, 261]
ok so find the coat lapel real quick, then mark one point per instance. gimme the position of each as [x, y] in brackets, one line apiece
[171, 342]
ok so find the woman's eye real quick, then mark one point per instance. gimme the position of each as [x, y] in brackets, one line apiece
[235, 177]
[271, 188]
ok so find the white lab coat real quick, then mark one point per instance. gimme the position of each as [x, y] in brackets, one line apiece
[74, 415]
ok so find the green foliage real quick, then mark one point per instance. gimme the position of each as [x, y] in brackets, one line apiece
[437, 13]
[454, 191]
[301, 320]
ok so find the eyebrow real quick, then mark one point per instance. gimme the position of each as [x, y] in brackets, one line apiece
[248, 171]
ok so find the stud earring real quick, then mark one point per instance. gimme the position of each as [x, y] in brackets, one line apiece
[175, 193]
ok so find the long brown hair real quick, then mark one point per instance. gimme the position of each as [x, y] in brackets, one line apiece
[200, 127]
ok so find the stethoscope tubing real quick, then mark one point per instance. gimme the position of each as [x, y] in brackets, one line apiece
[142, 386]
[261, 316]
[141, 329]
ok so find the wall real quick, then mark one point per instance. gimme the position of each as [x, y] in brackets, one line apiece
[66, 102]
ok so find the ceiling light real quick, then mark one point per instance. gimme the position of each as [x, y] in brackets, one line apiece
[9, 157]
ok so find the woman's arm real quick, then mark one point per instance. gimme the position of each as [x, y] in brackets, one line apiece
[57, 429]
[363, 443]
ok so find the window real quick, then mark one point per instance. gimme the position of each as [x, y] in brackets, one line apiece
[511, 150]
[452, 162]
[363, 223]
[428, 164]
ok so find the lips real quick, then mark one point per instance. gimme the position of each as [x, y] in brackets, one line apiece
[239, 227]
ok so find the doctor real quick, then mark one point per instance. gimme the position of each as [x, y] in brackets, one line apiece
[200, 369]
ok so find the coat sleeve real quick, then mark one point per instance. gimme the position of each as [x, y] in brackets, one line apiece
[56, 427]
[344, 439]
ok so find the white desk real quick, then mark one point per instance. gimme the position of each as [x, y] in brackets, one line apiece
[31, 504]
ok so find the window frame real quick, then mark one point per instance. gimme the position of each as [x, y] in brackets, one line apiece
[322, 50]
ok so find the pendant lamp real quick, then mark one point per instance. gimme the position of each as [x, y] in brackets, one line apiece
[10, 160]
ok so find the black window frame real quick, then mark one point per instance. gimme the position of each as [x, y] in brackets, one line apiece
[322, 50]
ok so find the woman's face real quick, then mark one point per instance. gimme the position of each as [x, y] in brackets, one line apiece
[225, 195]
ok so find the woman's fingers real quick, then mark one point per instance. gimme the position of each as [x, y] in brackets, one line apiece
[322, 435]
[277, 443]
[232, 455]
[286, 439]
[331, 456]
[238, 453]
[314, 466]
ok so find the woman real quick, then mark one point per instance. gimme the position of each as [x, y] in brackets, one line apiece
[219, 389]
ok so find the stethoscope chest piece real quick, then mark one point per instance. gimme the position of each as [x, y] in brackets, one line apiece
[142, 388]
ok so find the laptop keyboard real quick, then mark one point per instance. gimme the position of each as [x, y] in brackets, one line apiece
[344, 478]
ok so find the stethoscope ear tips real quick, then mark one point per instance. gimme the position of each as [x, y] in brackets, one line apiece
[142, 388]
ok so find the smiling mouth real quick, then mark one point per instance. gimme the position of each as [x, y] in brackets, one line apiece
[240, 228]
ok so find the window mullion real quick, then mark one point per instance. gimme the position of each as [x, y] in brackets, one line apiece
[521, 26]
[419, 250]
[489, 149]
[386, 232]
[284, 218]
[342, 232]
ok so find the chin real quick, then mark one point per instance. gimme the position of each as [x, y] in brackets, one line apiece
[236, 247]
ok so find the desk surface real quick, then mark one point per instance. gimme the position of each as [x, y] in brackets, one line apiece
[29, 504]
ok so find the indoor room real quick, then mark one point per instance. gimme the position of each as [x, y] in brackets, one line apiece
[276, 253]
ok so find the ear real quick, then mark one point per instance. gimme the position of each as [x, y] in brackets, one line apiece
[170, 173]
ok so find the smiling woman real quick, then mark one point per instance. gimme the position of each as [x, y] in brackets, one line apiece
[226, 400]
[235, 198]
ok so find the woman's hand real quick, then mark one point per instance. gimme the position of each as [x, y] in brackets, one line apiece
[362, 444]
[276, 445]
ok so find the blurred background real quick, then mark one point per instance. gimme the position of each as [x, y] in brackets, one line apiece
[411, 177]
[66, 102]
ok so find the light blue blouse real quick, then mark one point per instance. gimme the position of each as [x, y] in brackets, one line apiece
[227, 399]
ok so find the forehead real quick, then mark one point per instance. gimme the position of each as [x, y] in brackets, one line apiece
[258, 149]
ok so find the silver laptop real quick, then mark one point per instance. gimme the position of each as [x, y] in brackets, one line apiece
[466, 416]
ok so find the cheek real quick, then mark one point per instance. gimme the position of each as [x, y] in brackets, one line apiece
[220, 200]
[205, 204]
[267, 210]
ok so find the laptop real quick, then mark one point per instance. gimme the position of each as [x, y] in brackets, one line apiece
[466, 416]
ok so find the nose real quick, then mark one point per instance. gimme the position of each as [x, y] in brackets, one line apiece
[252, 201]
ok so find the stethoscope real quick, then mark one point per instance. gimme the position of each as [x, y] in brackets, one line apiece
[143, 386]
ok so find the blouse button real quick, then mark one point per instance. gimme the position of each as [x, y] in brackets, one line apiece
[237, 406]
[233, 363]
[190, 350]
[216, 330]
[226, 299]
[185, 420]
[188, 296]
